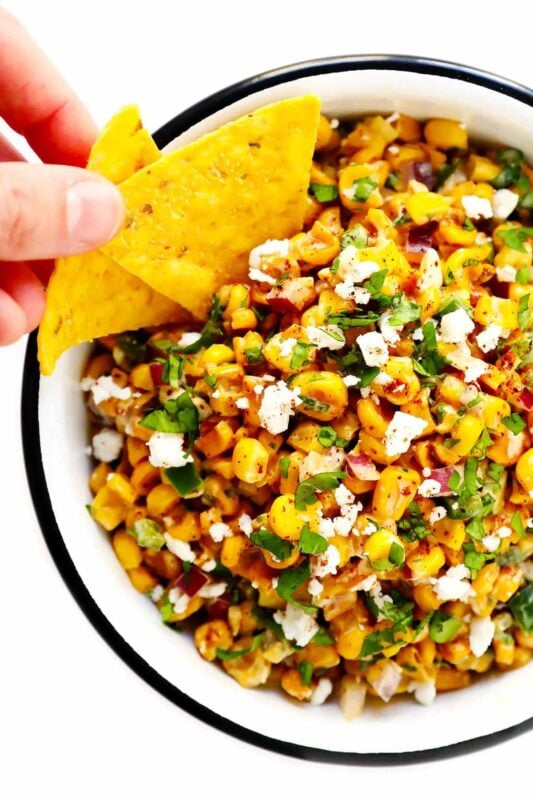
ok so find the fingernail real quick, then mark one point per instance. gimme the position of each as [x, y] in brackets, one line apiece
[95, 211]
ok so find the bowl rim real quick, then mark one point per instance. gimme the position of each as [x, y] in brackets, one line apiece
[31, 443]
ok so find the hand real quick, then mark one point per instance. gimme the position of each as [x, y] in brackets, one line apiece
[45, 211]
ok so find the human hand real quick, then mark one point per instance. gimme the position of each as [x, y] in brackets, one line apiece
[46, 210]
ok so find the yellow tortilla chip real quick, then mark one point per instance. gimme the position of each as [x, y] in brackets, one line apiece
[90, 295]
[123, 147]
[194, 215]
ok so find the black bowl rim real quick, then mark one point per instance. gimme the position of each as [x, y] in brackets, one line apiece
[32, 446]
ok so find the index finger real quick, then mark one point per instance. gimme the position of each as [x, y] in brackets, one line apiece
[36, 102]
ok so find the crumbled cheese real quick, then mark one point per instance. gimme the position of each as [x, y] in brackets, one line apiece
[376, 593]
[418, 335]
[286, 346]
[504, 202]
[458, 176]
[489, 337]
[105, 387]
[382, 379]
[167, 450]
[429, 488]
[456, 326]
[261, 277]
[313, 463]
[86, 383]
[216, 394]
[326, 563]
[327, 336]
[436, 514]
[297, 626]
[202, 406]
[107, 445]
[245, 524]
[426, 472]
[259, 389]
[392, 118]
[210, 565]
[180, 549]
[274, 583]
[219, 531]
[191, 337]
[367, 584]
[515, 444]
[321, 692]
[179, 600]
[314, 587]
[476, 207]
[334, 123]
[277, 406]
[389, 332]
[343, 496]
[88, 450]
[430, 271]
[425, 692]
[272, 247]
[504, 531]
[506, 274]
[374, 348]
[453, 585]
[481, 635]
[242, 402]
[401, 430]
[461, 358]
[212, 590]
[491, 542]
[157, 593]
[351, 380]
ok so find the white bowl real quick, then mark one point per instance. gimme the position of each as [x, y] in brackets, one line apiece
[54, 433]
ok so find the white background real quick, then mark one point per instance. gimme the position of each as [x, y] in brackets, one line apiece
[74, 720]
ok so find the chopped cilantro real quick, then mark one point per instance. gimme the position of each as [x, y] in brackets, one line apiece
[134, 347]
[403, 310]
[413, 525]
[280, 548]
[166, 609]
[515, 237]
[179, 415]
[363, 188]
[290, 580]
[211, 380]
[210, 331]
[517, 523]
[521, 606]
[508, 174]
[284, 464]
[311, 543]
[350, 320]
[254, 355]
[514, 422]
[393, 181]
[523, 275]
[184, 479]
[305, 668]
[322, 637]
[427, 351]
[524, 314]
[510, 155]
[356, 236]
[323, 192]
[308, 489]
[300, 355]
[443, 627]
[311, 402]
[327, 437]
[227, 655]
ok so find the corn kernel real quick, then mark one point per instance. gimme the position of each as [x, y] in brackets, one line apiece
[446, 134]
[250, 460]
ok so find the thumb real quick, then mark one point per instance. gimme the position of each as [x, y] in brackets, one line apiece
[50, 211]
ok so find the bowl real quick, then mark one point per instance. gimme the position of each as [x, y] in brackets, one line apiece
[55, 436]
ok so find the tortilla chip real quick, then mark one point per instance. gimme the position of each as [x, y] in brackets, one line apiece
[123, 147]
[194, 215]
[90, 295]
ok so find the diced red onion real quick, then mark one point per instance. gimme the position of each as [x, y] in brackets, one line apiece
[387, 681]
[526, 399]
[420, 237]
[192, 581]
[423, 173]
[293, 295]
[156, 371]
[361, 467]
[442, 475]
[219, 608]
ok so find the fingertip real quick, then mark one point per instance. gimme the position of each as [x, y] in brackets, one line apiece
[12, 319]
[19, 282]
[95, 213]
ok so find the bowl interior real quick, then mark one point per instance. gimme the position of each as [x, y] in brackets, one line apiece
[493, 704]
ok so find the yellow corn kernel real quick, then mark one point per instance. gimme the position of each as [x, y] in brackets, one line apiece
[108, 509]
[395, 489]
[239, 297]
[243, 319]
[324, 133]
[212, 636]
[219, 439]
[350, 189]
[524, 639]
[127, 550]
[491, 409]
[448, 680]
[161, 499]
[430, 301]
[407, 129]
[287, 521]
[373, 417]
[221, 491]
[423, 206]
[291, 682]
[507, 447]
[318, 246]
[508, 256]
[329, 302]
[304, 437]
[496, 310]
[217, 354]
[374, 448]
[99, 477]
[121, 487]
[142, 580]
[480, 168]
[250, 341]
[428, 651]
[508, 582]
[450, 390]
[450, 532]
[144, 477]
[487, 576]
[446, 134]
[425, 597]
[467, 430]
[326, 392]
[426, 563]
[350, 642]
[455, 651]
[504, 649]
[188, 528]
[141, 377]
[378, 546]
[456, 234]
[524, 471]
[404, 384]
[250, 460]
[136, 450]
[289, 484]
[232, 550]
